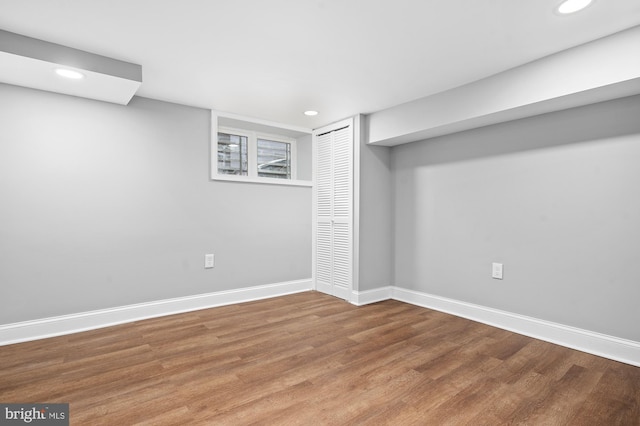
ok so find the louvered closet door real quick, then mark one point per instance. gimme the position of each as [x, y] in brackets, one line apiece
[324, 215]
[334, 210]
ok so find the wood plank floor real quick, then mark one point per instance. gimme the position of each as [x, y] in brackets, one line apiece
[310, 359]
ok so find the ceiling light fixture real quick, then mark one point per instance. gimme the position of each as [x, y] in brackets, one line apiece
[311, 113]
[67, 73]
[571, 6]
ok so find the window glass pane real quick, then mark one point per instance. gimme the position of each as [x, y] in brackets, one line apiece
[274, 159]
[232, 154]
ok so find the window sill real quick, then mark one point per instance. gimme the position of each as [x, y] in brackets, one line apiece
[267, 181]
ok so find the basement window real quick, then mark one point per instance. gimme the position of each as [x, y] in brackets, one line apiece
[255, 153]
[232, 154]
[246, 153]
[274, 159]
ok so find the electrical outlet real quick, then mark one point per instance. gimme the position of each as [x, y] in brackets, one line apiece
[209, 261]
[496, 271]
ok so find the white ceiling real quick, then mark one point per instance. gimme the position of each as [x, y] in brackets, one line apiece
[273, 59]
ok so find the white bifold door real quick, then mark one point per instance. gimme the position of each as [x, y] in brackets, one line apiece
[333, 207]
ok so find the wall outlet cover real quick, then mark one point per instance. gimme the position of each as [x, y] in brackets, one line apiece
[496, 271]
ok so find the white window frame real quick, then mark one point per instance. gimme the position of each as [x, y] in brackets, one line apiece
[235, 132]
[293, 153]
[252, 157]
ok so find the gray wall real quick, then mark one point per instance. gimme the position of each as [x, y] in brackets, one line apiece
[105, 205]
[556, 198]
[304, 157]
[376, 216]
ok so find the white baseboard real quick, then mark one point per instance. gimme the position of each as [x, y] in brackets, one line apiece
[614, 348]
[622, 350]
[360, 298]
[67, 324]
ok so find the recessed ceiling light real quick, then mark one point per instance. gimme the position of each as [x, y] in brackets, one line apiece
[311, 113]
[67, 73]
[572, 6]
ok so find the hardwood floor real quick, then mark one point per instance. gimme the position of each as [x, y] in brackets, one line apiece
[310, 359]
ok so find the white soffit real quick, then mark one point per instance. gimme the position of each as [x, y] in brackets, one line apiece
[29, 62]
[598, 71]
